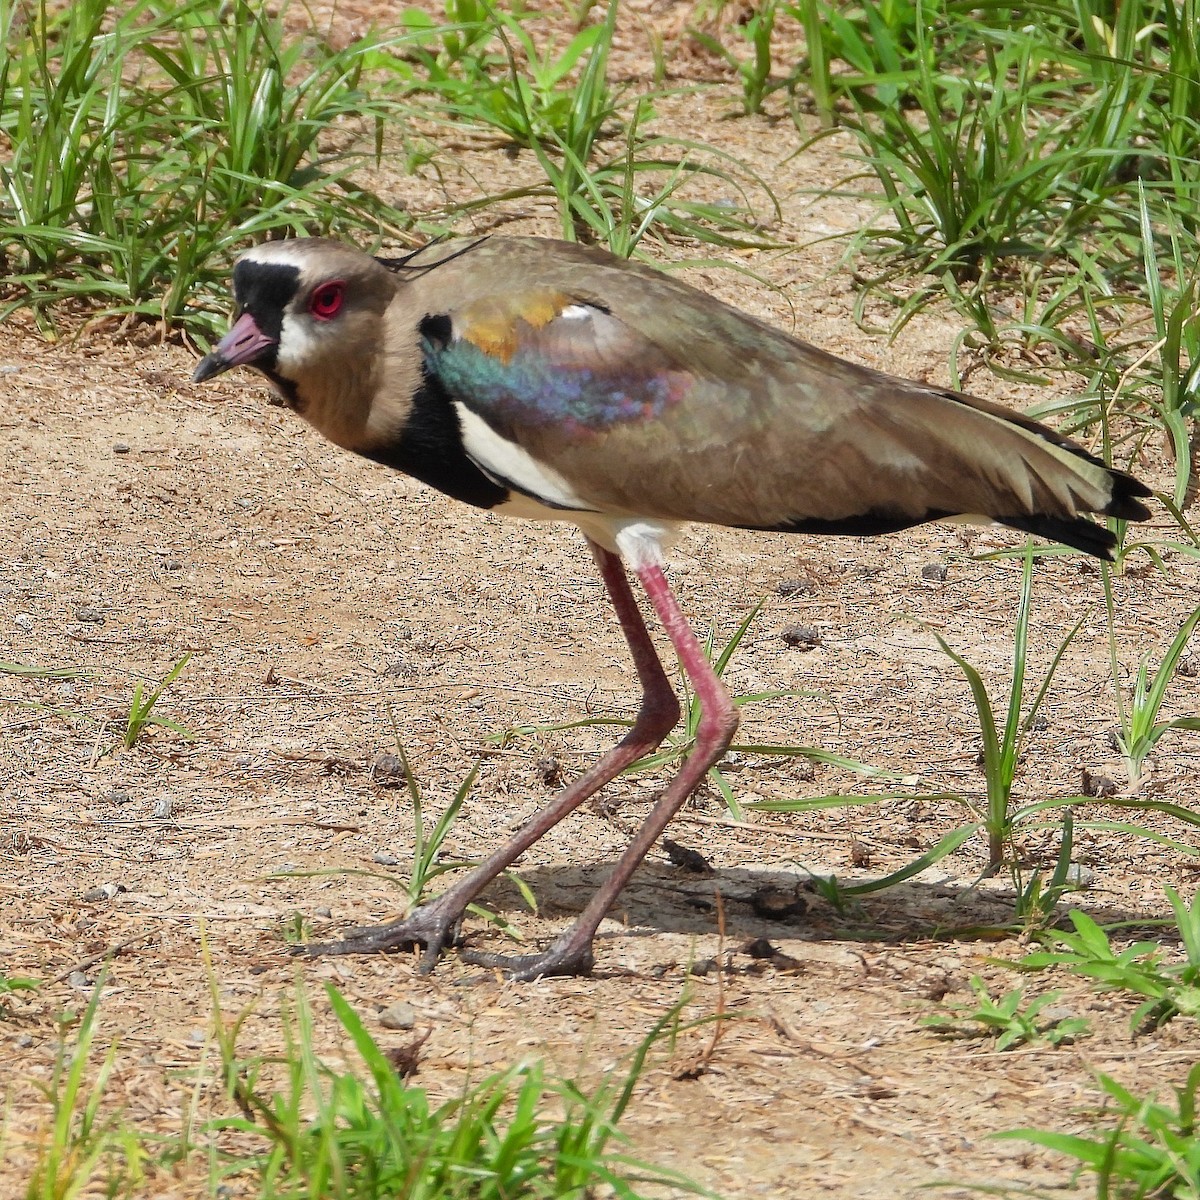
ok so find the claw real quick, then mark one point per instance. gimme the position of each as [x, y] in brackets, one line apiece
[559, 959]
[427, 926]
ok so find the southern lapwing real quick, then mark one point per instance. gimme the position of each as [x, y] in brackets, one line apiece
[546, 380]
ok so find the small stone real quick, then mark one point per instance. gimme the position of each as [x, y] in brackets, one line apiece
[23, 621]
[120, 447]
[549, 771]
[934, 572]
[795, 587]
[324, 912]
[758, 948]
[197, 1037]
[1096, 785]
[89, 614]
[398, 1016]
[686, 858]
[77, 979]
[1040, 722]
[702, 966]
[384, 859]
[801, 637]
[1189, 667]
[1080, 876]
[388, 770]
[24, 1041]
[162, 809]
[106, 891]
[118, 796]
[777, 904]
[172, 564]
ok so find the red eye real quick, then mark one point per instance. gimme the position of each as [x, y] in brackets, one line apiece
[326, 302]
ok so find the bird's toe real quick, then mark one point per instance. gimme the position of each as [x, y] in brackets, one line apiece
[557, 960]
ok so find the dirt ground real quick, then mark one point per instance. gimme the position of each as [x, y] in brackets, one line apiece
[321, 597]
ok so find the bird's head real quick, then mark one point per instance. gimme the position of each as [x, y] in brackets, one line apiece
[306, 309]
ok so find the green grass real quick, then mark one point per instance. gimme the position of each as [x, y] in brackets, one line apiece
[1170, 989]
[1139, 1147]
[1012, 1020]
[1039, 169]
[679, 743]
[365, 1131]
[296, 1125]
[141, 707]
[10, 985]
[148, 141]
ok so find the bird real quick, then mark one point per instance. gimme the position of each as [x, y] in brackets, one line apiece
[553, 381]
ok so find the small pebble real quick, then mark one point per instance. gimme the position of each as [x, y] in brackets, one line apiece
[324, 912]
[388, 770]
[801, 637]
[934, 572]
[1080, 876]
[162, 809]
[384, 859]
[549, 771]
[686, 858]
[795, 587]
[1096, 785]
[23, 621]
[777, 904]
[702, 966]
[758, 948]
[77, 979]
[89, 613]
[118, 796]
[400, 1015]
[120, 447]
[106, 891]
[172, 564]
[24, 1041]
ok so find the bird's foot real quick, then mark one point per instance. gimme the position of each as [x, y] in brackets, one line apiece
[566, 956]
[430, 926]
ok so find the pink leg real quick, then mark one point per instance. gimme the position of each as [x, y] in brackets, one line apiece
[433, 924]
[571, 952]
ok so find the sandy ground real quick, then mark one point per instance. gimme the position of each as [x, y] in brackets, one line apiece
[321, 598]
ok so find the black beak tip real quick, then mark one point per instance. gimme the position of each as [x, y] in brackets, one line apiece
[209, 366]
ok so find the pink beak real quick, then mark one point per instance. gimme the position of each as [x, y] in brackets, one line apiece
[244, 343]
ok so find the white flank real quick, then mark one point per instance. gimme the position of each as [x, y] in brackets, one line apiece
[507, 462]
[575, 312]
[638, 540]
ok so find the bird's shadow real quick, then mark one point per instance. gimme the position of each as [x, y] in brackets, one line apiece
[747, 903]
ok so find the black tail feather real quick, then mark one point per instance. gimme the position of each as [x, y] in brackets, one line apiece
[1078, 532]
